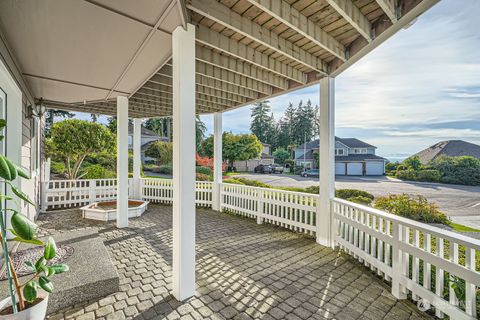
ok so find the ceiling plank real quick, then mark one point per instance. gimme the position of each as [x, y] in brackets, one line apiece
[350, 12]
[225, 16]
[209, 56]
[285, 13]
[215, 40]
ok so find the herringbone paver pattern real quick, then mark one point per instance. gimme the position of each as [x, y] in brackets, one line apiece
[244, 271]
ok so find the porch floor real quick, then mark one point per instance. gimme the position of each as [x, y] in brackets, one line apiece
[244, 271]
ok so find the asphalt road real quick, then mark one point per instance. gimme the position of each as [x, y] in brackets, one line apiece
[460, 203]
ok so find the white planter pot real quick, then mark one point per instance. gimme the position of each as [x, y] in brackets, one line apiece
[37, 312]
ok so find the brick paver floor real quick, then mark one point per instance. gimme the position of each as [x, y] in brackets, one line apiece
[244, 271]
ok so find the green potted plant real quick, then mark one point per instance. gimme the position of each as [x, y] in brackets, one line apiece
[27, 300]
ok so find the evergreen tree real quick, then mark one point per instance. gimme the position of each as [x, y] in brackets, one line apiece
[304, 123]
[262, 122]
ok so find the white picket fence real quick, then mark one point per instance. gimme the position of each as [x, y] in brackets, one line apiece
[62, 194]
[417, 259]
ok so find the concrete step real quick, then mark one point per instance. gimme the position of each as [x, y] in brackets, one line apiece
[92, 274]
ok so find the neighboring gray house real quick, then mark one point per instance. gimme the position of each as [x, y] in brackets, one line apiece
[353, 157]
[147, 138]
[265, 158]
[452, 148]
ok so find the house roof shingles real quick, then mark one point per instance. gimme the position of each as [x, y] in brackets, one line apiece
[349, 142]
[452, 148]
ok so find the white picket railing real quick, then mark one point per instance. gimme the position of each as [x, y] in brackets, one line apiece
[292, 210]
[418, 259]
[60, 194]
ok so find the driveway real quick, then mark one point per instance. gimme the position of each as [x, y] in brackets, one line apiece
[460, 203]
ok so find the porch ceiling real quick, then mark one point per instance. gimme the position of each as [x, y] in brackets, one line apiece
[87, 52]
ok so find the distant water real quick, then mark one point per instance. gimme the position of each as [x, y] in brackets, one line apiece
[396, 158]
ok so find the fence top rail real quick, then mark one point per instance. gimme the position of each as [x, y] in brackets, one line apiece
[441, 233]
[271, 190]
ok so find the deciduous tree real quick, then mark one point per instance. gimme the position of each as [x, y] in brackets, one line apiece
[72, 140]
[238, 147]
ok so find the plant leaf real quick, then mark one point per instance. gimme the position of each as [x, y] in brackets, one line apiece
[50, 271]
[45, 284]
[39, 264]
[60, 268]
[30, 291]
[33, 241]
[3, 123]
[19, 193]
[30, 265]
[50, 249]
[23, 227]
[22, 173]
[5, 165]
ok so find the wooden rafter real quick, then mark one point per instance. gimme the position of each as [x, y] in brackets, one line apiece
[244, 26]
[349, 11]
[388, 6]
[285, 13]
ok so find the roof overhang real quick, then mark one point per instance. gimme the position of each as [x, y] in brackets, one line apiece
[79, 55]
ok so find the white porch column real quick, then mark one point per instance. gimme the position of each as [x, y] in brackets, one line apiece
[217, 160]
[122, 162]
[183, 276]
[137, 157]
[327, 161]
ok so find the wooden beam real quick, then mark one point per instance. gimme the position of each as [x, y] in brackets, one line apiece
[209, 56]
[285, 13]
[350, 12]
[167, 91]
[224, 75]
[226, 45]
[388, 6]
[225, 16]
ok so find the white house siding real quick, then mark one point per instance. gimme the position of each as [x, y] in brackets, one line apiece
[375, 168]
[20, 129]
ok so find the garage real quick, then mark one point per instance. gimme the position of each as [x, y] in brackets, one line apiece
[354, 168]
[340, 168]
[374, 168]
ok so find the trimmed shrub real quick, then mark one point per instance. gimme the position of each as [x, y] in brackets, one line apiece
[233, 181]
[313, 189]
[419, 175]
[360, 200]
[57, 167]
[204, 170]
[348, 194]
[294, 189]
[202, 177]
[412, 207]
[298, 169]
[253, 183]
[164, 169]
[96, 171]
[408, 174]
[149, 167]
[429, 175]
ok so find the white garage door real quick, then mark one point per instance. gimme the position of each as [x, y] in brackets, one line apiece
[354, 169]
[340, 168]
[374, 168]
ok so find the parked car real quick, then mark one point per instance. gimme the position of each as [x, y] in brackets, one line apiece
[276, 168]
[262, 168]
[311, 173]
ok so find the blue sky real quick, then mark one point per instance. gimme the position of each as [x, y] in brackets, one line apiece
[419, 87]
